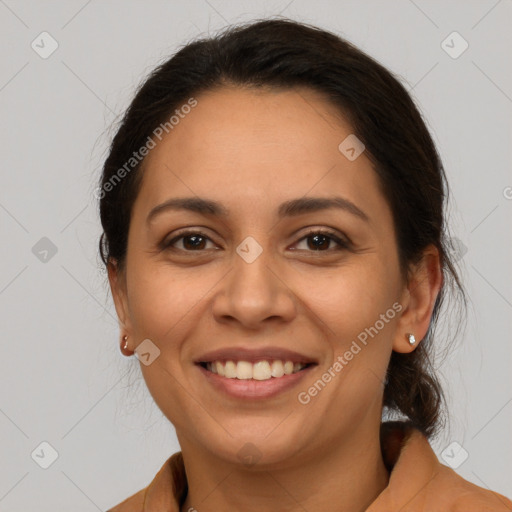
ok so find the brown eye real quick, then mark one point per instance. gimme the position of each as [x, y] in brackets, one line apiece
[191, 241]
[320, 241]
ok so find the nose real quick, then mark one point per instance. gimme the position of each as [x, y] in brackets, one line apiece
[254, 294]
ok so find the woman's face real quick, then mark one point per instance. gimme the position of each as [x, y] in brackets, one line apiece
[257, 285]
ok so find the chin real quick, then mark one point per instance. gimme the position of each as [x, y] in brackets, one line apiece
[268, 444]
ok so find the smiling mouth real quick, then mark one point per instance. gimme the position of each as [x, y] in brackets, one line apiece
[260, 370]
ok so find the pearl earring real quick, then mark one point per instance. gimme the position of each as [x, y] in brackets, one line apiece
[412, 339]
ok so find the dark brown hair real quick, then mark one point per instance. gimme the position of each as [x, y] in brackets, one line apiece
[284, 54]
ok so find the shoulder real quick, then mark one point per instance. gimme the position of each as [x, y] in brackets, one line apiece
[420, 482]
[460, 495]
[165, 492]
[134, 503]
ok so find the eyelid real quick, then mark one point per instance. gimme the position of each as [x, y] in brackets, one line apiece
[342, 240]
[167, 244]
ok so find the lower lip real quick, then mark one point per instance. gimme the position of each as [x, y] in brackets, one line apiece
[254, 389]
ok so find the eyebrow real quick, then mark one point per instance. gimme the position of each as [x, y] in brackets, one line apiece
[289, 208]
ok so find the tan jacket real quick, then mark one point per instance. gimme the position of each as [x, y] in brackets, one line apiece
[418, 482]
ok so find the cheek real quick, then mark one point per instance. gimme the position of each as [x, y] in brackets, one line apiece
[360, 308]
[350, 298]
[160, 298]
[164, 306]
[358, 304]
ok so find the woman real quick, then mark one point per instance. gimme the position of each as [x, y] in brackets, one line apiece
[274, 234]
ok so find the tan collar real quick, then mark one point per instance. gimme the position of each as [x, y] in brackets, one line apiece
[418, 481]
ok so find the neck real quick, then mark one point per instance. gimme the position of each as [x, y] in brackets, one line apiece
[349, 475]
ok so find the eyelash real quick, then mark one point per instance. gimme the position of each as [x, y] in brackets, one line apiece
[343, 244]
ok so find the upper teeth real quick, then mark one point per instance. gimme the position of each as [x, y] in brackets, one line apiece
[262, 370]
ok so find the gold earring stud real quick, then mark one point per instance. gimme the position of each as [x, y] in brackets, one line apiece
[124, 347]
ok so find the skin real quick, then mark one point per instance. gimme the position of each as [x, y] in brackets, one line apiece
[252, 150]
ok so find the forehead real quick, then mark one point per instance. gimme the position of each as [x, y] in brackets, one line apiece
[248, 147]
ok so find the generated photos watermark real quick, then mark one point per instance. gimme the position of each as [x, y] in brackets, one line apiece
[143, 151]
[305, 397]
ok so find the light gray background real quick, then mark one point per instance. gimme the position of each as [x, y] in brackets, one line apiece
[62, 377]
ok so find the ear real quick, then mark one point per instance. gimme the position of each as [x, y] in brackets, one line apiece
[418, 300]
[117, 282]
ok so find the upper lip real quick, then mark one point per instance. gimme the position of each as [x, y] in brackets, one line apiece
[254, 355]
